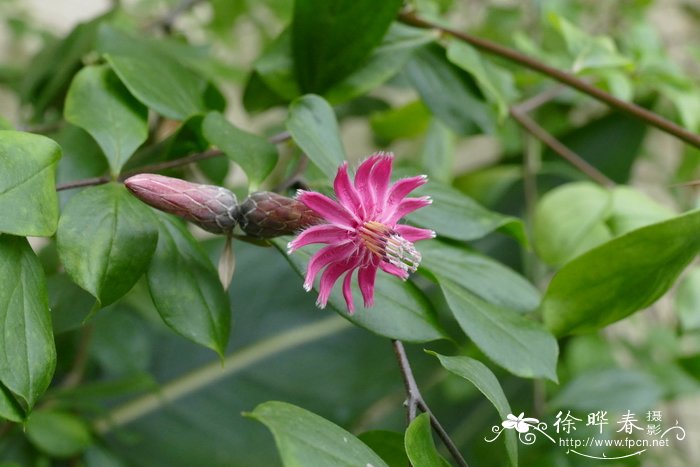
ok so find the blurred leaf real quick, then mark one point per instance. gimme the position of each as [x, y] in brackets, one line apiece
[304, 438]
[28, 201]
[406, 121]
[313, 126]
[485, 381]
[5, 124]
[688, 301]
[620, 277]
[479, 274]
[457, 216]
[438, 152]
[59, 434]
[256, 156]
[100, 104]
[106, 238]
[495, 83]
[420, 446]
[185, 287]
[401, 311]
[613, 389]
[27, 353]
[69, 304]
[448, 92]
[122, 345]
[257, 96]
[332, 40]
[52, 69]
[570, 220]
[520, 345]
[384, 62]
[632, 210]
[9, 407]
[95, 456]
[389, 445]
[275, 67]
[592, 142]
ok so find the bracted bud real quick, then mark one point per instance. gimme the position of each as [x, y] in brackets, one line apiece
[213, 208]
[265, 215]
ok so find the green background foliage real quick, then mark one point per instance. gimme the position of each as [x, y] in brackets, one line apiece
[550, 286]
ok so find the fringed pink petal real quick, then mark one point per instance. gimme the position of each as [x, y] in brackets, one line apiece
[380, 177]
[366, 277]
[362, 182]
[330, 276]
[326, 255]
[413, 234]
[406, 206]
[393, 270]
[328, 209]
[347, 292]
[323, 233]
[345, 191]
[402, 188]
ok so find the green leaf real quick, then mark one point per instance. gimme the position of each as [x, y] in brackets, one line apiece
[9, 407]
[621, 276]
[330, 40]
[401, 311]
[406, 121]
[518, 344]
[569, 220]
[313, 126]
[59, 434]
[304, 438]
[98, 102]
[106, 238]
[275, 67]
[28, 201]
[420, 446]
[457, 216]
[51, 70]
[27, 353]
[485, 381]
[688, 301]
[162, 84]
[384, 62]
[480, 275]
[495, 83]
[616, 389]
[186, 289]
[253, 153]
[389, 445]
[438, 152]
[448, 92]
[632, 210]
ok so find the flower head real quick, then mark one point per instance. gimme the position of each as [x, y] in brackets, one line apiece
[361, 230]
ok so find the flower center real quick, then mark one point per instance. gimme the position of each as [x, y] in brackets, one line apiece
[389, 245]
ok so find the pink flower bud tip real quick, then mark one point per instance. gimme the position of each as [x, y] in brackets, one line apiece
[213, 208]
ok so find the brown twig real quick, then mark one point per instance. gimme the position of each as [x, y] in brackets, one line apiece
[415, 401]
[157, 167]
[562, 76]
[558, 147]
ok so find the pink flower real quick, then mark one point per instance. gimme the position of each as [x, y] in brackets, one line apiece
[361, 230]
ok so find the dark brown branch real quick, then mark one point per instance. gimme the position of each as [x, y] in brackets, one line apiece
[196, 157]
[555, 145]
[563, 77]
[415, 401]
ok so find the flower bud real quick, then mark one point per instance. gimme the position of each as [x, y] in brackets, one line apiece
[213, 208]
[265, 214]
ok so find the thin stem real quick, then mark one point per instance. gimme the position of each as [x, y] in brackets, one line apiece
[558, 147]
[563, 77]
[76, 373]
[157, 167]
[202, 377]
[415, 401]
